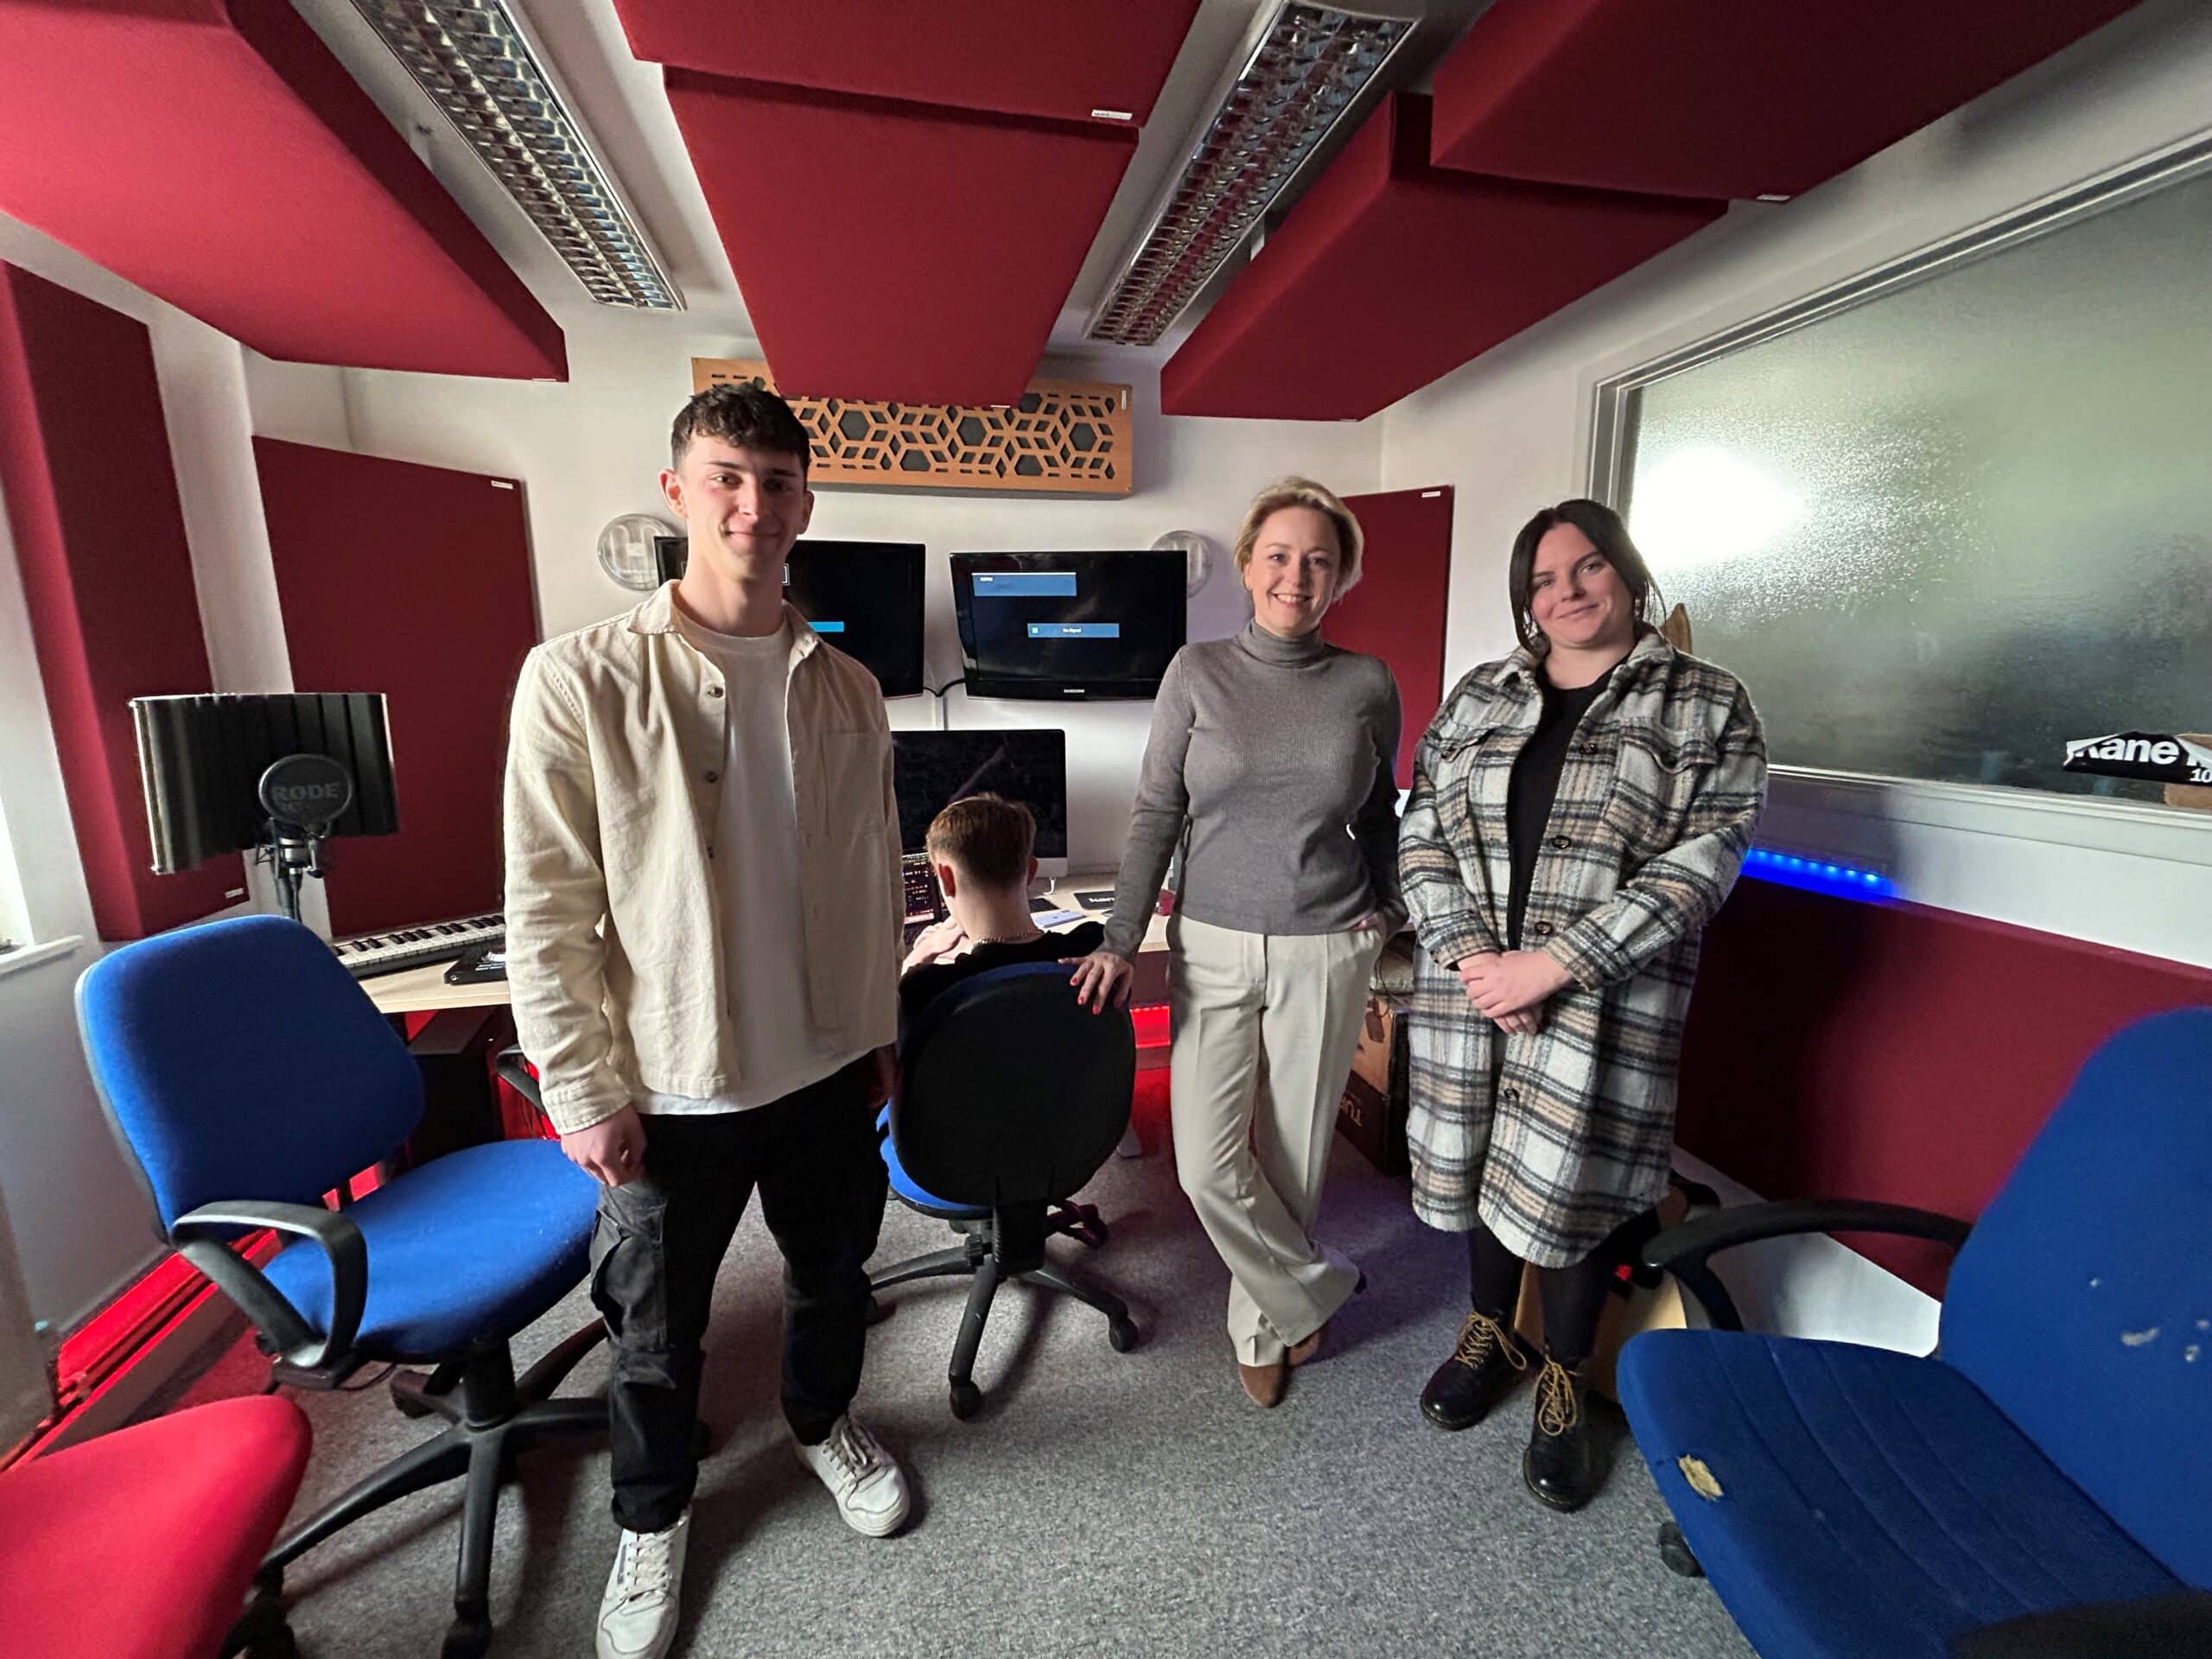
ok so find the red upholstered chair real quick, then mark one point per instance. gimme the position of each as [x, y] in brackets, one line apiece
[141, 1544]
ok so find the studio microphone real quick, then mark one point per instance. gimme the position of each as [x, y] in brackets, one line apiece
[304, 796]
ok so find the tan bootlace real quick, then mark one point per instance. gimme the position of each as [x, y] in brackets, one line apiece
[1481, 1337]
[1559, 1406]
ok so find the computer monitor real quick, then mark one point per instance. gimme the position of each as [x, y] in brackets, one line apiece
[1063, 626]
[864, 598]
[932, 770]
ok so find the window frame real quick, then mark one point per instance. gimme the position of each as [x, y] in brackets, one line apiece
[2147, 829]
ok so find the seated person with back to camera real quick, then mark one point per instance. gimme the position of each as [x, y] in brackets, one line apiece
[979, 849]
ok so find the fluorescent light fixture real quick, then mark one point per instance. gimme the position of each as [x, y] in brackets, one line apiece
[1702, 505]
[474, 59]
[1307, 69]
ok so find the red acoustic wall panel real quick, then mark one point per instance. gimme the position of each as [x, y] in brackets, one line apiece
[107, 575]
[1389, 272]
[1839, 1048]
[214, 153]
[1397, 611]
[896, 252]
[1019, 57]
[1724, 98]
[414, 581]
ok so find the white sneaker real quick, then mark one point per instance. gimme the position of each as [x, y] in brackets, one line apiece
[870, 1489]
[636, 1615]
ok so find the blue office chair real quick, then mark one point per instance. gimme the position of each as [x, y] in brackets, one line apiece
[1011, 1096]
[246, 1075]
[2039, 1487]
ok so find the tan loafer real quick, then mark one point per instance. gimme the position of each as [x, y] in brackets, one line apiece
[1265, 1383]
[1299, 1352]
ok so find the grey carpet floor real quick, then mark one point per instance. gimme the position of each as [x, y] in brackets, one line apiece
[1100, 1504]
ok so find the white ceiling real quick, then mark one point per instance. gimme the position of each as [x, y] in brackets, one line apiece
[622, 108]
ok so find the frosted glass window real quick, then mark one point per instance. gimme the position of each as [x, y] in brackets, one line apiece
[1941, 531]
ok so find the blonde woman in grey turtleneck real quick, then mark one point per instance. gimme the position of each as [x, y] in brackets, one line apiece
[1270, 761]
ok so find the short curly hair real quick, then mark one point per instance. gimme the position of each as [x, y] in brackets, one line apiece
[1305, 493]
[750, 416]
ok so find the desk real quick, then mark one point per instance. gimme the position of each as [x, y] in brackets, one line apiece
[424, 990]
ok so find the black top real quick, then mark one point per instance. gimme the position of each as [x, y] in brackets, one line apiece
[921, 986]
[1535, 782]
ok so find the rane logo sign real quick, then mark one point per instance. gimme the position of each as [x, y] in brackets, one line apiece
[2154, 757]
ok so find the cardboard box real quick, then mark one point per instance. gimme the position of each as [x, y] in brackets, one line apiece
[1372, 1113]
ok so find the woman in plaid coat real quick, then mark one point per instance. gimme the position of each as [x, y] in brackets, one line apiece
[1578, 811]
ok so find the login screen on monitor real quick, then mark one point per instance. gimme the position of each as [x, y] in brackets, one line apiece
[1068, 625]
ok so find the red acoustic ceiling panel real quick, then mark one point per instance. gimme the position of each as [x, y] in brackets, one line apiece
[1389, 272]
[1724, 98]
[1019, 57]
[896, 252]
[107, 575]
[214, 153]
[1397, 611]
[414, 581]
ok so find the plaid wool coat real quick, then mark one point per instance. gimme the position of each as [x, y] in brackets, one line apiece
[1662, 788]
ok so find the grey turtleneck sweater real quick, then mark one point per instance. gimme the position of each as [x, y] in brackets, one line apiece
[1275, 757]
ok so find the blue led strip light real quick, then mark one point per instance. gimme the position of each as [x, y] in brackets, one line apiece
[1818, 875]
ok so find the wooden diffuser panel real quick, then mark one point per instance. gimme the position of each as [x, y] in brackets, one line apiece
[1065, 437]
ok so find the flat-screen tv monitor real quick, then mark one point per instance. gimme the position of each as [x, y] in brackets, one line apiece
[1059, 626]
[864, 598]
[932, 770]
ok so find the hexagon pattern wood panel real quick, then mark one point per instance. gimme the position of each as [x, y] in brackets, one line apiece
[1065, 437]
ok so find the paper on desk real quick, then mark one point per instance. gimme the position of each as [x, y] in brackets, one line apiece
[1058, 917]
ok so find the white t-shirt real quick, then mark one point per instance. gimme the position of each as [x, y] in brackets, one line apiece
[757, 882]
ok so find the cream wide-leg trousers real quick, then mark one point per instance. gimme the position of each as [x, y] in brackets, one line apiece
[1264, 1027]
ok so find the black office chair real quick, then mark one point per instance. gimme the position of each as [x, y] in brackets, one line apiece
[1011, 1096]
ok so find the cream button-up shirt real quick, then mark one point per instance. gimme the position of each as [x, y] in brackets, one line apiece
[613, 806]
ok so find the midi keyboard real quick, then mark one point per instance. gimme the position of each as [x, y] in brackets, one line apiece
[371, 954]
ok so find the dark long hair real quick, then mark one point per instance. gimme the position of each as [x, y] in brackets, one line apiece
[1607, 534]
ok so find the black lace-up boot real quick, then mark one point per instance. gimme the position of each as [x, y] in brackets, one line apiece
[1482, 1367]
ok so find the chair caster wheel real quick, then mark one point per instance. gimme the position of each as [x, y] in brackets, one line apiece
[967, 1399]
[410, 1392]
[468, 1638]
[1674, 1550]
[1122, 1334]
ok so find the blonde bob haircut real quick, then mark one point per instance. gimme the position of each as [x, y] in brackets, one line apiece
[1305, 493]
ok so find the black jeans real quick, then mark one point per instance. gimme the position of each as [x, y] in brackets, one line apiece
[1573, 1298]
[660, 1242]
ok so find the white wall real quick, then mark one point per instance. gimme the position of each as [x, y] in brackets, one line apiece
[1512, 432]
[593, 448]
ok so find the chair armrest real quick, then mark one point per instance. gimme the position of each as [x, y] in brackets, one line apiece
[1682, 1250]
[2156, 1625]
[514, 1072]
[202, 1238]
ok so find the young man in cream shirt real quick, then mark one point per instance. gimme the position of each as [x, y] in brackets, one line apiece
[704, 913]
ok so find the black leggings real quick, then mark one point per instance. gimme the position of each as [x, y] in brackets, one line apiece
[1573, 1297]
